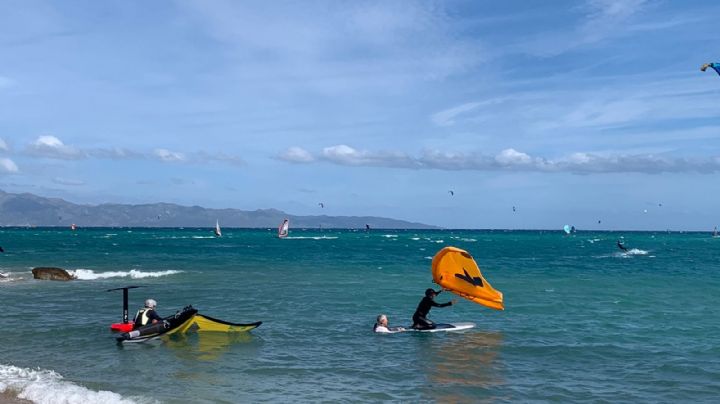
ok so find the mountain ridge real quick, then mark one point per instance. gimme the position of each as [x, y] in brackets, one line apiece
[27, 209]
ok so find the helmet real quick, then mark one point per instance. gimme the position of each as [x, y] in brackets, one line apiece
[429, 293]
[150, 303]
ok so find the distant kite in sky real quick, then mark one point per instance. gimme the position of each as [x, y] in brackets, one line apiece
[322, 205]
[451, 192]
[714, 66]
[513, 209]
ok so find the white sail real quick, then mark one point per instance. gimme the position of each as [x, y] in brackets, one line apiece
[218, 233]
[284, 228]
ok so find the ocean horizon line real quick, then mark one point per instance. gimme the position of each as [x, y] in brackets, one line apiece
[438, 229]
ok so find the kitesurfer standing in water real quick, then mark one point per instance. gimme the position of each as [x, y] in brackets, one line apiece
[147, 315]
[420, 320]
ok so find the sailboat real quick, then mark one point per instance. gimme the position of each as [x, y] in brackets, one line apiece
[217, 231]
[715, 233]
[284, 228]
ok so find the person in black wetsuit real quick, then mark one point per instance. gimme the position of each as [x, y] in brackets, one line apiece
[621, 245]
[420, 320]
[147, 315]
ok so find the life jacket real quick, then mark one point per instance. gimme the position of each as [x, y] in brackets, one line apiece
[141, 318]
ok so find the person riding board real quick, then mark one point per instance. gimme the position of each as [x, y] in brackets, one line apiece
[147, 315]
[420, 320]
[621, 245]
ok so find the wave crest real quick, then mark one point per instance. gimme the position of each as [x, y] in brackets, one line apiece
[89, 274]
[47, 386]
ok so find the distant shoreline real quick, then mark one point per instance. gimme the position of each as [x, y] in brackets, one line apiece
[272, 228]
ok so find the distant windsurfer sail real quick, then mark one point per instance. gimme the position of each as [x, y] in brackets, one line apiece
[284, 228]
[217, 231]
[456, 270]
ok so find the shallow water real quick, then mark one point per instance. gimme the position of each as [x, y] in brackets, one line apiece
[583, 321]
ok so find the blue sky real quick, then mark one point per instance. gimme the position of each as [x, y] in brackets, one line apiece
[572, 112]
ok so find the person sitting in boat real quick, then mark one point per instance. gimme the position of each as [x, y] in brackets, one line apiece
[420, 320]
[382, 325]
[147, 315]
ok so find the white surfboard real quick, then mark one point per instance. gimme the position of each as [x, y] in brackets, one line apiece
[439, 327]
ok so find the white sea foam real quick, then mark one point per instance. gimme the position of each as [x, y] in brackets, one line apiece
[89, 274]
[635, 251]
[390, 235]
[46, 386]
[203, 236]
[631, 253]
[311, 238]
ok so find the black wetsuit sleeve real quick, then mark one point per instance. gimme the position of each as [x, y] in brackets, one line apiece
[436, 304]
[152, 315]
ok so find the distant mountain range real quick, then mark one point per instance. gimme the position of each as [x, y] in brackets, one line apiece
[32, 210]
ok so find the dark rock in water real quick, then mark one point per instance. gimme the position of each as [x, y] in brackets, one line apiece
[51, 274]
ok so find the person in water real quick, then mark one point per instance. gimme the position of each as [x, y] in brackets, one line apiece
[621, 245]
[147, 315]
[382, 325]
[420, 320]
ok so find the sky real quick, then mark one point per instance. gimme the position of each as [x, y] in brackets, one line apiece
[534, 114]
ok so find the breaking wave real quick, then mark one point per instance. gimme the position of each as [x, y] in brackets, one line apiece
[46, 386]
[89, 274]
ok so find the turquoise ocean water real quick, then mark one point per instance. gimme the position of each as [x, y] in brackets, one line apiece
[583, 321]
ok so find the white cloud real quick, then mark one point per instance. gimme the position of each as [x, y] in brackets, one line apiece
[513, 160]
[203, 157]
[602, 19]
[340, 47]
[511, 157]
[8, 166]
[168, 156]
[296, 155]
[346, 155]
[115, 153]
[52, 147]
[343, 154]
[447, 117]
[3, 145]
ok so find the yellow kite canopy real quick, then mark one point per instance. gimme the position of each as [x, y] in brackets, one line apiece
[455, 270]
